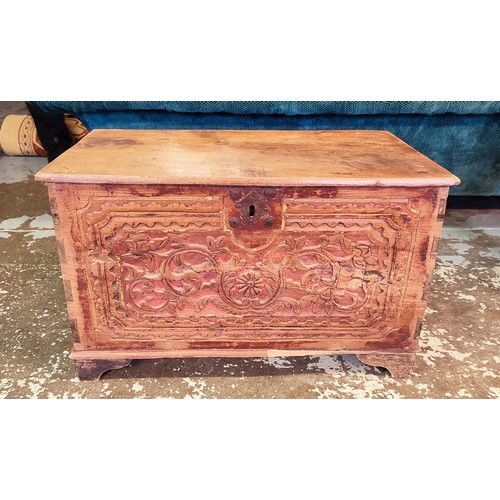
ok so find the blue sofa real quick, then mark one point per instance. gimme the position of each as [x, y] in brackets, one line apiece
[462, 136]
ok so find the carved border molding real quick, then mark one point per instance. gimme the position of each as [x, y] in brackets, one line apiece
[162, 268]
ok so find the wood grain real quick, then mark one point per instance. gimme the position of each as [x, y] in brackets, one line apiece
[250, 157]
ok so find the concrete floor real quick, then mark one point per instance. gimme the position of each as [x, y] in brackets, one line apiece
[459, 358]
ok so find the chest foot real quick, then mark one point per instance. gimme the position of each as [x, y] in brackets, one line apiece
[399, 365]
[92, 369]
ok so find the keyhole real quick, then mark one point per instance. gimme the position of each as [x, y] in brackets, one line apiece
[251, 210]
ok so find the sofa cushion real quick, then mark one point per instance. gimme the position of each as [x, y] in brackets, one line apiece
[462, 136]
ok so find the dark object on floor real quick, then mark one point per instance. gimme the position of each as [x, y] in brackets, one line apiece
[475, 202]
[52, 131]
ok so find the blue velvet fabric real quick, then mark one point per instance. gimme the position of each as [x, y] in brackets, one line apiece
[283, 107]
[463, 137]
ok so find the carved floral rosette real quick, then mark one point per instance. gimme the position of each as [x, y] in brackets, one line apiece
[335, 269]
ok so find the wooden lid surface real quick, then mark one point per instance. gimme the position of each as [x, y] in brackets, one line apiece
[246, 157]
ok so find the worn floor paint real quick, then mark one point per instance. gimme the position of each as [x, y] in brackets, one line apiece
[460, 341]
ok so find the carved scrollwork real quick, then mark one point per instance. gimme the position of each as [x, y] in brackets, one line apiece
[326, 275]
[343, 280]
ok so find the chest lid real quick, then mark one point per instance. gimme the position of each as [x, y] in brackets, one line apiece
[245, 158]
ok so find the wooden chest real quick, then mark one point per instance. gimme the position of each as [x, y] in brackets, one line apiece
[245, 243]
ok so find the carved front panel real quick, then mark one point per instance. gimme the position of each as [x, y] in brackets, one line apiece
[174, 267]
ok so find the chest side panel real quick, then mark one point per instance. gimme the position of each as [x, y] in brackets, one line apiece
[232, 264]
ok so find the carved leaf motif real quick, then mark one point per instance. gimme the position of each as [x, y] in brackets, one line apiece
[177, 261]
[145, 295]
[377, 237]
[235, 260]
[346, 243]
[200, 304]
[288, 302]
[358, 261]
[181, 303]
[324, 241]
[216, 245]
[299, 243]
[353, 284]
[318, 304]
[150, 262]
[293, 244]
